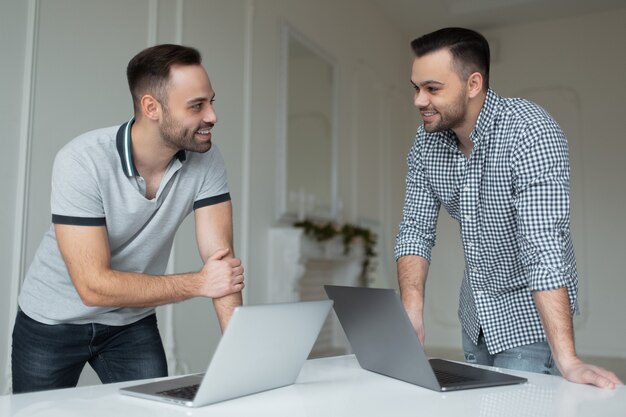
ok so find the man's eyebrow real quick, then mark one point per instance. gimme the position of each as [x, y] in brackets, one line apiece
[427, 82]
[200, 99]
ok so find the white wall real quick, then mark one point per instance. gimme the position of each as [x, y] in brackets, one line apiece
[12, 44]
[373, 68]
[80, 50]
[576, 69]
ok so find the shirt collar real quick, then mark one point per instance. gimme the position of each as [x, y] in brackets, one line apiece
[125, 149]
[486, 117]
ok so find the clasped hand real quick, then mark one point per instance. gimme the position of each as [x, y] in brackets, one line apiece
[221, 275]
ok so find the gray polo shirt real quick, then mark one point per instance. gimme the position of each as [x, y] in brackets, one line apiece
[95, 183]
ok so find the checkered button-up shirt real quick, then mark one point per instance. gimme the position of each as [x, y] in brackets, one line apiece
[511, 199]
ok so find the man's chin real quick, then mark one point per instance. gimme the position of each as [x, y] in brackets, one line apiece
[200, 146]
[204, 148]
[429, 128]
[434, 127]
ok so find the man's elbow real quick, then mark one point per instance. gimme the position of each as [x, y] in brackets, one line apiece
[87, 291]
[89, 297]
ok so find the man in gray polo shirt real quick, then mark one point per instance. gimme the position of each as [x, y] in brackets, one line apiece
[118, 196]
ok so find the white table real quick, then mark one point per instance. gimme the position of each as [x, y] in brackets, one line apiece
[339, 387]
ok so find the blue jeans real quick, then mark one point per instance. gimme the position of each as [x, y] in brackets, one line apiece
[536, 357]
[53, 356]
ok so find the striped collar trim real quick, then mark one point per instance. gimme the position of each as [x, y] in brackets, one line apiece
[125, 149]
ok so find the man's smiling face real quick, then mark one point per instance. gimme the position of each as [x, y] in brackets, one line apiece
[440, 95]
[188, 115]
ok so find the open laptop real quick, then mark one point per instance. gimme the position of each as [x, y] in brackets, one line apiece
[384, 341]
[263, 347]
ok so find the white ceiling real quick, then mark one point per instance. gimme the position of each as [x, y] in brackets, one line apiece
[417, 17]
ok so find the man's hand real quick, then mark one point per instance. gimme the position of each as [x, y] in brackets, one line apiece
[554, 309]
[584, 373]
[222, 275]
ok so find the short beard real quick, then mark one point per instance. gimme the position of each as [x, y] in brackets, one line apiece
[454, 116]
[180, 137]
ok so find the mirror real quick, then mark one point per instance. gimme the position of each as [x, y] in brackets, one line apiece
[307, 131]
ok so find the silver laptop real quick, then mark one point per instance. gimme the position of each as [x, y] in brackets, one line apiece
[263, 347]
[384, 341]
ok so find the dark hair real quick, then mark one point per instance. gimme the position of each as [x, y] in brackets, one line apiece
[469, 49]
[148, 72]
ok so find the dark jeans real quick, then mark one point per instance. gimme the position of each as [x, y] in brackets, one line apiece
[53, 356]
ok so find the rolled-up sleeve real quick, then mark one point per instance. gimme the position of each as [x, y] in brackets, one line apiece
[541, 189]
[417, 232]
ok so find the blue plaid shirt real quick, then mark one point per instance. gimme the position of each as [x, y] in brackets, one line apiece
[511, 199]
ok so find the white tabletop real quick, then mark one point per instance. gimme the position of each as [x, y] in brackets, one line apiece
[339, 387]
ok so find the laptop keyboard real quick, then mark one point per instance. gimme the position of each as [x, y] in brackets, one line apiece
[446, 378]
[187, 393]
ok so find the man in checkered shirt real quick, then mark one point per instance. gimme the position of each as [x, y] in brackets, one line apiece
[500, 167]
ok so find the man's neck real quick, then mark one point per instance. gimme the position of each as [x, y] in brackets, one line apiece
[150, 154]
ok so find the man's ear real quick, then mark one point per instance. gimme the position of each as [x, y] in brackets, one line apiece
[150, 107]
[474, 84]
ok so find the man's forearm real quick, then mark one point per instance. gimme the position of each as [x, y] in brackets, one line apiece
[130, 289]
[101, 286]
[225, 306]
[214, 230]
[555, 312]
[412, 272]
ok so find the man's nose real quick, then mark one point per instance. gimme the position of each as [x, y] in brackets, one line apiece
[209, 115]
[420, 99]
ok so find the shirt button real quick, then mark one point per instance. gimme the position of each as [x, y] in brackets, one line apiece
[469, 245]
[140, 179]
[467, 217]
[466, 188]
